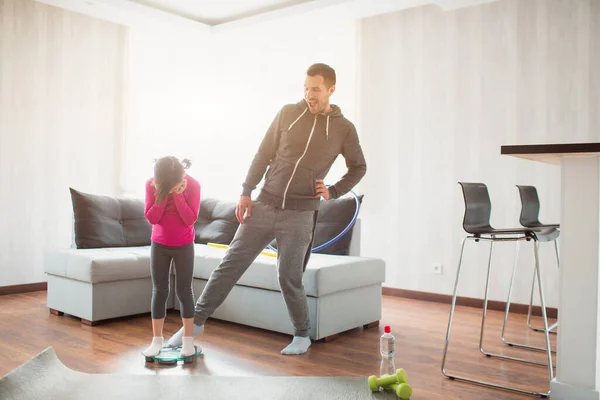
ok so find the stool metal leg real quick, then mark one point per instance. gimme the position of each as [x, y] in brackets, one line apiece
[453, 303]
[485, 298]
[544, 316]
[510, 287]
[452, 310]
[553, 326]
[502, 337]
[505, 357]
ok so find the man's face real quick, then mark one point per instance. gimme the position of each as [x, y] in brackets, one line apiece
[316, 94]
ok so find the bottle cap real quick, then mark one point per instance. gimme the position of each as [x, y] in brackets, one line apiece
[387, 329]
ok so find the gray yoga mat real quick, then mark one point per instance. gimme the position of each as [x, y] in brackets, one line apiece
[46, 377]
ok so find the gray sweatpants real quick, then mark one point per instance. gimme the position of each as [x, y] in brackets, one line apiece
[160, 265]
[294, 232]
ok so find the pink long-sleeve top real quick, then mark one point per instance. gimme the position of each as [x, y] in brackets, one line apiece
[173, 220]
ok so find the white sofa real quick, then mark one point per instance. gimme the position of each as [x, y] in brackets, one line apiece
[95, 284]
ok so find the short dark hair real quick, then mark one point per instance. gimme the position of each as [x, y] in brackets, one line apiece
[323, 70]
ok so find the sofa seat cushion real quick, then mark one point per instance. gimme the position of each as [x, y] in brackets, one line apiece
[99, 265]
[325, 274]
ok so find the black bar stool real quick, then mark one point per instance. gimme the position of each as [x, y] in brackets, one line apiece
[529, 218]
[476, 222]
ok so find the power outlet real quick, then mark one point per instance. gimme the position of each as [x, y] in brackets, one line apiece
[437, 268]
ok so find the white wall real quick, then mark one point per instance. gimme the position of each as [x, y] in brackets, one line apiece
[213, 98]
[60, 117]
[441, 92]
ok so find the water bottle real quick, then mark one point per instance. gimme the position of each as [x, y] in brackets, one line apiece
[387, 367]
[387, 343]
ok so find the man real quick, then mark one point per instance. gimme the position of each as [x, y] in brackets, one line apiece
[299, 148]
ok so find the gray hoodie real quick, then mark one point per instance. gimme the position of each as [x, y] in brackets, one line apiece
[299, 148]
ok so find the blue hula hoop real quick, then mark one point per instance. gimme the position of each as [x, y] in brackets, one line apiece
[339, 235]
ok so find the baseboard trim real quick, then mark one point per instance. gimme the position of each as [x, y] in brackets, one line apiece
[467, 301]
[24, 288]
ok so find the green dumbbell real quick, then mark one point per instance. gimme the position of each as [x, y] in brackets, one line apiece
[403, 390]
[386, 380]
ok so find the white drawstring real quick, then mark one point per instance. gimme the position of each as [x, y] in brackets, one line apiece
[304, 112]
[292, 124]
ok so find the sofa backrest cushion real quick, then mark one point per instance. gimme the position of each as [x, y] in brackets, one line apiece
[216, 222]
[104, 221]
[334, 217]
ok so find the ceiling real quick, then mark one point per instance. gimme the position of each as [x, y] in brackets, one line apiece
[211, 16]
[214, 12]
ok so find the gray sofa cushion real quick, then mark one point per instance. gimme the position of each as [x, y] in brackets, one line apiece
[104, 221]
[322, 276]
[325, 274]
[216, 222]
[334, 217]
[99, 265]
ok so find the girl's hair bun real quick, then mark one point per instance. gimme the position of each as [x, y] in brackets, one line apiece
[187, 163]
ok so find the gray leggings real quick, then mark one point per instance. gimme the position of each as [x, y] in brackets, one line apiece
[160, 265]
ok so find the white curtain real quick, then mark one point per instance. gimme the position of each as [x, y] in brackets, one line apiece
[60, 123]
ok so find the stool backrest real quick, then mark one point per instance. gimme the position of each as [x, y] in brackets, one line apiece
[478, 207]
[530, 206]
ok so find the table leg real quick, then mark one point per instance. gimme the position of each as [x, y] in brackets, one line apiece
[578, 337]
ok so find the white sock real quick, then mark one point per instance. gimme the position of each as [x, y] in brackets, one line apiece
[187, 348]
[155, 347]
[299, 345]
[176, 339]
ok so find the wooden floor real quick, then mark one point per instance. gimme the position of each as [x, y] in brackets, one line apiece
[27, 328]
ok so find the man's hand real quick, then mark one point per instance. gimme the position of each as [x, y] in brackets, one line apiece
[244, 206]
[322, 190]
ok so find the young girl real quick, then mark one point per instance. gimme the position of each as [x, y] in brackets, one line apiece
[172, 206]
